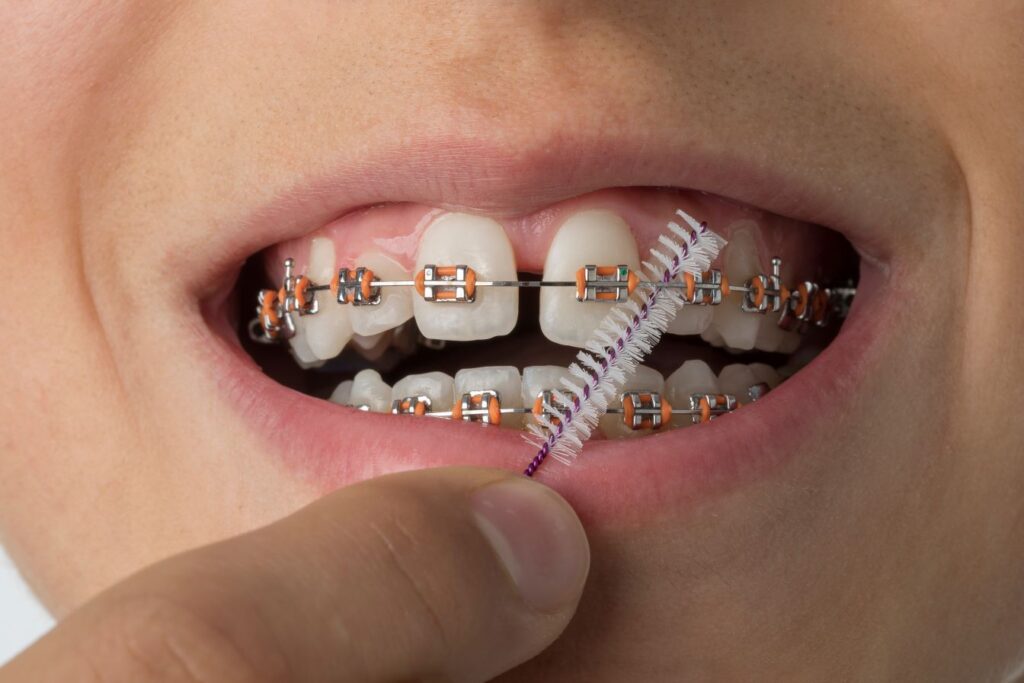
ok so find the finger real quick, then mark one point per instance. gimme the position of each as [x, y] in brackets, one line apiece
[456, 574]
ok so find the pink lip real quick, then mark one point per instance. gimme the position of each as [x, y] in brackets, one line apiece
[332, 446]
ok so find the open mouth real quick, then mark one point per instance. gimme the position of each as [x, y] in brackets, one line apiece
[397, 334]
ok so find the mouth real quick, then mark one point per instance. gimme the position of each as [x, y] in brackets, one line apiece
[357, 388]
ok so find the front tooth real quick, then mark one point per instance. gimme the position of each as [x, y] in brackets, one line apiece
[595, 237]
[342, 394]
[540, 378]
[737, 379]
[395, 305]
[330, 329]
[691, 319]
[693, 377]
[370, 390]
[738, 329]
[767, 374]
[480, 243]
[437, 386]
[504, 379]
[643, 379]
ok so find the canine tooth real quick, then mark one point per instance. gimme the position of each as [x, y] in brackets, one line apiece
[767, 374]
[395, 305]
[303, 355]
[369, 389]
[642, 379]
[693, 377]
[595, 237]
[738, 329]
[373, 346]
[342, 394]
[330, 329]
[437, 386]
[503, 379]
[736, 379]
[480, 243]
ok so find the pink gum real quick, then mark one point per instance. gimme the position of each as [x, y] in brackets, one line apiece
[395, 230]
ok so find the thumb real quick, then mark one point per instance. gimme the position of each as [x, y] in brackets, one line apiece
[456, 573]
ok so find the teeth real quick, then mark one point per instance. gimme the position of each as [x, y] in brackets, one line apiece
[330, 329]
[767, 374]
[395, 305]
[591, 237]
[539, 378]
[369, 389]
[481, 244]
[374, 346]
[642, 379]
[736, 379]
[505, 380]
[437, 386]
[692, 320]
[303, 355]
[693, 377]
[738, 329]
[342, 394]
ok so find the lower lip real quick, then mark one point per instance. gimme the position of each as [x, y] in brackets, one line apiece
[330, 446]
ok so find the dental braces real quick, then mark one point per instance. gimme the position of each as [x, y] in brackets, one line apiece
[799, 308]
[640, 410]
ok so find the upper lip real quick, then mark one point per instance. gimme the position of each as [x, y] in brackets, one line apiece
[475, 173]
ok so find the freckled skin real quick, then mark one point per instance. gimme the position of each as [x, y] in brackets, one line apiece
[134, 135]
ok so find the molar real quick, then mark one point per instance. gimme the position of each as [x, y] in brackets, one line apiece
[370, 390]
[395, 305]
[437, 386]
[503, 379]
[595, 237]
[693, 377]
[480, 243]
[643, 379]
[330, 329]
[767, 374]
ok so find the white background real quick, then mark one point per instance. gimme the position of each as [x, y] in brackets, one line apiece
[22, 618]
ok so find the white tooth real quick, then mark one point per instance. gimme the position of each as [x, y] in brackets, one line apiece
[790, 343]
[692, 320]
[540, 378]
[303, 355]
[504, 379]
[736, 379]
[595, 237]
[437, 386]
[368, 389]
[642, 379]
[767, 374]
[711, 335]
[395, 305]
[693, 377]
[480, 243]
[374, 346]
[329, 330]
[342, 394]
[738, 329]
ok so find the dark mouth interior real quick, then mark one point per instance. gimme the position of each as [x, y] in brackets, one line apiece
[410, 353]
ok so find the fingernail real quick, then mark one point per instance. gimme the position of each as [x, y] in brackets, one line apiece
[538, 538]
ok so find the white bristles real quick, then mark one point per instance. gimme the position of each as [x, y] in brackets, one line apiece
[627, 334]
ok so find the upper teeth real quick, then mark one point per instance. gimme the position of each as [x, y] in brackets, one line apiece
[457, 250]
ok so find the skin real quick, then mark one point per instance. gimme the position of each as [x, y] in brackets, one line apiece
[888, 549]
